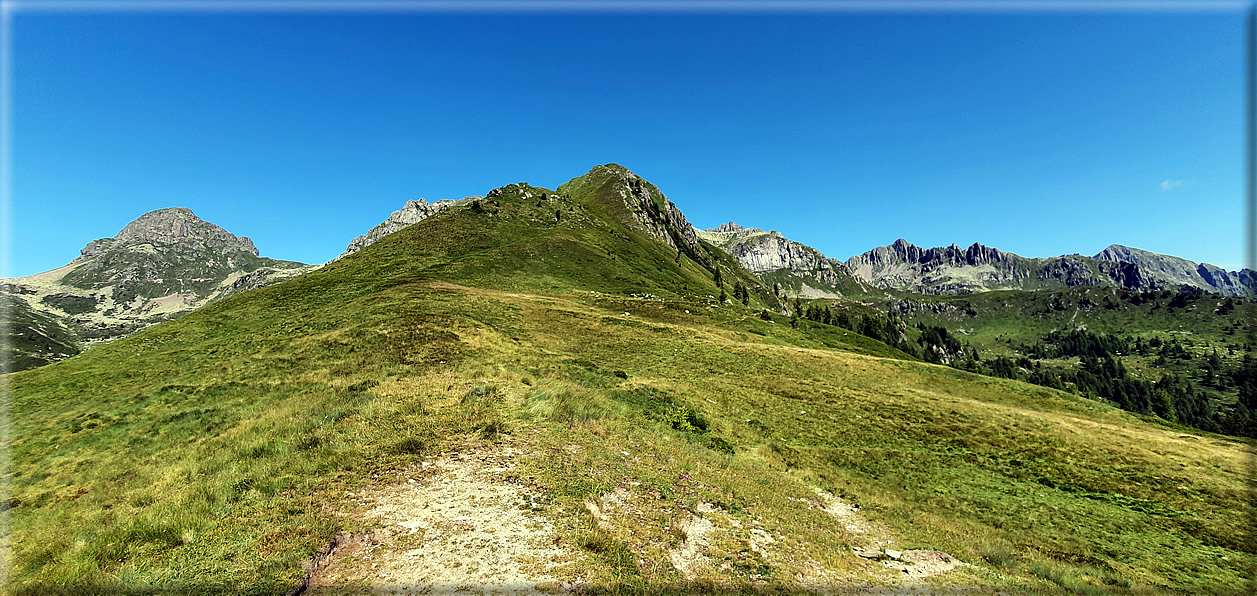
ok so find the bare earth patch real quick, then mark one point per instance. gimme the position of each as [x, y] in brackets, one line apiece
[874, 543]
[689, 558]
[456, 527]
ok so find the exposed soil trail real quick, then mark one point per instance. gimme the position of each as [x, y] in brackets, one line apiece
[456, 527]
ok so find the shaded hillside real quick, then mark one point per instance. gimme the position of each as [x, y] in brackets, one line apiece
[34, 338]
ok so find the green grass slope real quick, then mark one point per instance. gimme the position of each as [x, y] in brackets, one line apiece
[214, 453]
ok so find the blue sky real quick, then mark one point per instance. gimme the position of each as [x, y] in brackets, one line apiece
[1039, 133]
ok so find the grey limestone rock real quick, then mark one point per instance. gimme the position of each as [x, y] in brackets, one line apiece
[806, 271]
[1165, 271]
[640, 205]
[952, 270]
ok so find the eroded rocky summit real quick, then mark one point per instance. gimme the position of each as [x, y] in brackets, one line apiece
[639, 205]
[164, 264]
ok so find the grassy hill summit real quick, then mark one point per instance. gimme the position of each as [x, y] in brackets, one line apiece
[568, 391]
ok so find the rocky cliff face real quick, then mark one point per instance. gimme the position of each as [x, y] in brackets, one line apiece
[411, 213]
[952, 270]
[162, 265]
[800, 269]
[1158, 270]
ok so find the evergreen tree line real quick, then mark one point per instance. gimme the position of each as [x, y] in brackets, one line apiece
[936, 346]
[1099, 374]
[740, 291]
[1175, 397]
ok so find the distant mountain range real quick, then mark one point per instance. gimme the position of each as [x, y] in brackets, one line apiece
[169, 262]
[903, 266]
[978, 268]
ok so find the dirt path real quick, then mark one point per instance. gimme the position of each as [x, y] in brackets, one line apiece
[456, 527]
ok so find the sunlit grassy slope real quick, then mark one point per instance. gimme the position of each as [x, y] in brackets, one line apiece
[212, 453]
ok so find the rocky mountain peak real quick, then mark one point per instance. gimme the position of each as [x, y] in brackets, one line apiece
[639, 205]
[1170, 271]
[951, 270]
[797, 269]
[1119, 253]
[174, 225]
[161, 265]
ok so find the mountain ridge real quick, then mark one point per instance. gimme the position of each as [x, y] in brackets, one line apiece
[904, 266]
[156, 267]
[412, 212]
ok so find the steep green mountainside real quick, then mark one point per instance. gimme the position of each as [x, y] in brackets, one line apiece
[991, 319]
[676, 443]
[791, 268]
[160, 266]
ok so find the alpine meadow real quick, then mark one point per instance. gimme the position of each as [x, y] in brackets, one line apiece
[572, 390]
[628, 297]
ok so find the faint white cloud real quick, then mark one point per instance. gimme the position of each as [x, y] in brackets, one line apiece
[1168, 185]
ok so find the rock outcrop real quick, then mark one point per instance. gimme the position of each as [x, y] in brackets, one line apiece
[638, 205]
[1168, 271]
[799, 269]
[411, 213]
[171, 226]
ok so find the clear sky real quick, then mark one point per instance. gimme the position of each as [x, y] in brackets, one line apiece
[1039, 133]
